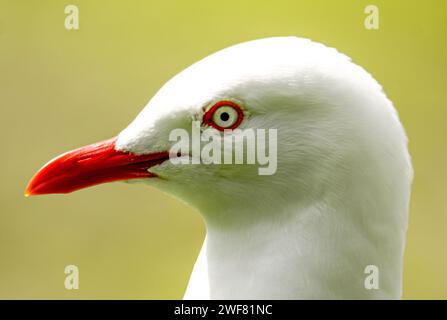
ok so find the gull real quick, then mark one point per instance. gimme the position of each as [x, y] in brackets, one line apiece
[336, 206]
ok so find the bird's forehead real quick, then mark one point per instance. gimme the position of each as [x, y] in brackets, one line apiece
[243, 62]
[249, 72]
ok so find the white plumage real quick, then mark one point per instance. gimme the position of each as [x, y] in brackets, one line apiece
[339, 199]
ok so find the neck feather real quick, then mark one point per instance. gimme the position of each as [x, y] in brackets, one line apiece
[315, 251]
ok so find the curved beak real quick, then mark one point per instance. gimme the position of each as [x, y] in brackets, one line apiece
[91, 165]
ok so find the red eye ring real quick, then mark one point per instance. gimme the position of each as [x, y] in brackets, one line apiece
[209, 114]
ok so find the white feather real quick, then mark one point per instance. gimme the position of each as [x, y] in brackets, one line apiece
[339, 199]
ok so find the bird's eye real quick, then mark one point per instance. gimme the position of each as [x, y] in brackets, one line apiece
[224, 115]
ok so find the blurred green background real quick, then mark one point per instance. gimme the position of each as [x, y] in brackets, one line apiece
[61, 89]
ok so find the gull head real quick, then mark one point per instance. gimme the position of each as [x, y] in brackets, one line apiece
[314, 124]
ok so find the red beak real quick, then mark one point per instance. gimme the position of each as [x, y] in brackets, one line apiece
[91, 165]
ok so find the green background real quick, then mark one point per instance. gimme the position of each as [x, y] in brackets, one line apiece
[61, 89]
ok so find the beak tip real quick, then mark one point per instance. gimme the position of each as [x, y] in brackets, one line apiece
[30, 189]
[28, 192]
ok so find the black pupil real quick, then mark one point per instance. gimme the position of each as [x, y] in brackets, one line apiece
[224, 116]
